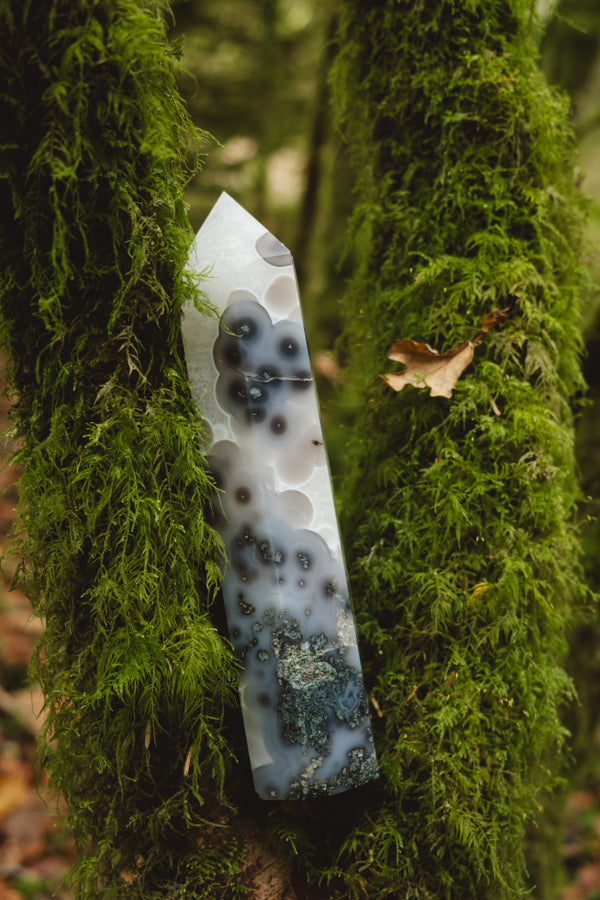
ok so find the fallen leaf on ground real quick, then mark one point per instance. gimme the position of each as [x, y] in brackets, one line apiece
[7, 893]
[25, 706]
[13, 792]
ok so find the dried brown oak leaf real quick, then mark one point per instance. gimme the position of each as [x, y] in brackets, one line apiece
[428, 368]
[439, 372]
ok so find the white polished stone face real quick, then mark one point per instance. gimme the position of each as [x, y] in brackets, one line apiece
[285, 589]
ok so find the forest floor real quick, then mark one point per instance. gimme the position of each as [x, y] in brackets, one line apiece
[581, 846]
[35, 847]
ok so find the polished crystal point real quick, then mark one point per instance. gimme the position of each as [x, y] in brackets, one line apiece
[285, 588]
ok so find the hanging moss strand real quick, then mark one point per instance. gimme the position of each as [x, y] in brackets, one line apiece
[118, 555]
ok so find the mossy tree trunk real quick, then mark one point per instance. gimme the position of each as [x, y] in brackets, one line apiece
[460, 512]
[95, 150]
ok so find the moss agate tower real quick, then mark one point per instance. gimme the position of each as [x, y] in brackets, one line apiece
[285, 589]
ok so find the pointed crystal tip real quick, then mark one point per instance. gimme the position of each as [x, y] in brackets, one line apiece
[273, 251]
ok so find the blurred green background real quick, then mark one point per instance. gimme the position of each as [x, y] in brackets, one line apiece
[256, 79]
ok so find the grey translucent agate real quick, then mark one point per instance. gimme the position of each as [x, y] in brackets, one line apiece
[285, 590]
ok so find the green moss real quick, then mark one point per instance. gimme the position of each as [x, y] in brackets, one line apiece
[118, 555]
[459, 514]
